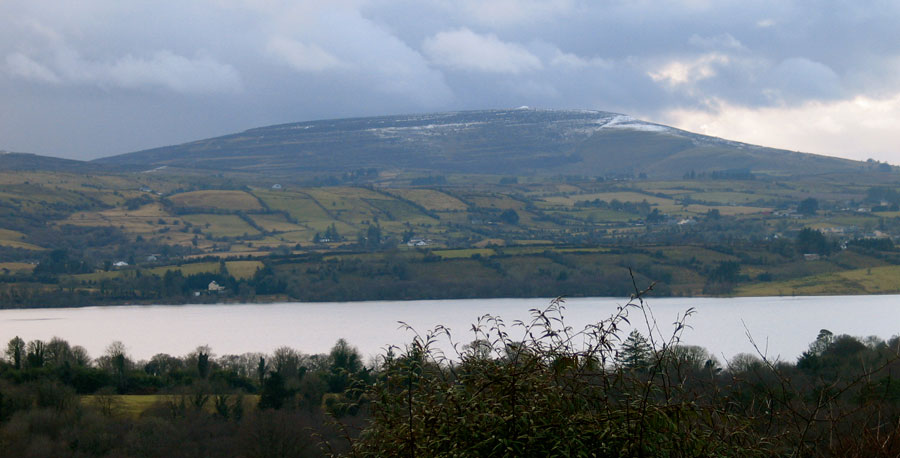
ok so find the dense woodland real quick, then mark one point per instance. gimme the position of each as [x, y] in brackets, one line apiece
[524, 389]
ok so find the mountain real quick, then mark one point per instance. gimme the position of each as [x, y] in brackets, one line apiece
[26, 161]
[499, 142]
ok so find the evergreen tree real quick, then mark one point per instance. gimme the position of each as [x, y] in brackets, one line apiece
[636, 352]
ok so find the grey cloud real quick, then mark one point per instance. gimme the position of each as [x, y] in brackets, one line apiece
[462, 49]
[802, 79]
[345, 46]
[162, 69]
[301, 56]
[22, 66]
[171, 71]
[722, 41]
[505, 13]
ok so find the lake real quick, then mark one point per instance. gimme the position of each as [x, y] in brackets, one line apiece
[782, 326]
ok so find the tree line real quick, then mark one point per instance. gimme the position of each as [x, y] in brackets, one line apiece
[534, 388]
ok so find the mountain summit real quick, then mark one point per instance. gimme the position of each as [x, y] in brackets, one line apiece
[520, 141]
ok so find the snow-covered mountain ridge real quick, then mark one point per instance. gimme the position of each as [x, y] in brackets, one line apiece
[521, 141]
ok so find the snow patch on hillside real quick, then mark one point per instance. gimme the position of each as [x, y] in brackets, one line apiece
[627, 122]
[423, 130]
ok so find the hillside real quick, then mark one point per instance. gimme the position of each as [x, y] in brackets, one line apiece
[24, 161]
[520, 142]
[442, 206]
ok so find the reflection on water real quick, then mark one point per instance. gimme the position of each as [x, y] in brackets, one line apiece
[33, 319]
[780, 325]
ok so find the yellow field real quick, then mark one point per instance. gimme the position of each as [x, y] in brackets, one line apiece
[225, 200]
[275, 223]
[7, 234]
[238, 269]
[303, 237]
[495, 201]
[670, 192]
[684, 253]
[347, 204]
[243, 270]
[624, 196]
[484, 243]
[142, 220]
[187, 269]
[723, 197]
[885, 279]
[71, 181]
[582, 250]
[16, 267]
[125, 405]
[431, 199]
[345, 230]
[20, 244]
[520, 250]
[598, 215]
[221, 225]
[524, 250]
[726, 210]
[455, 254]
[228, 255]
[35, 198]
[272, 241]
[390, 209]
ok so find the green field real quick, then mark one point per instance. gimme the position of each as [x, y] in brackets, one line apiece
[431, 199]
[223, 200]
[135, 405]
[221, 225]
[300, 206]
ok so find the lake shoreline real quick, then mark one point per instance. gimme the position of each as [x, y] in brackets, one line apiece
[283, 299]
[784, 325]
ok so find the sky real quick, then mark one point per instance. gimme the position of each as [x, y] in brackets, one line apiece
[95, 78]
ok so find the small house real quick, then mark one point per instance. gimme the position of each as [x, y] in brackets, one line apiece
[215, 287]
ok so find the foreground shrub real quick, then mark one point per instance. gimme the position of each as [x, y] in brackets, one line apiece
[555, 391]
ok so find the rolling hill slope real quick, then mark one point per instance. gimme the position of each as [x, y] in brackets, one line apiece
[496, 142]
[26, 161]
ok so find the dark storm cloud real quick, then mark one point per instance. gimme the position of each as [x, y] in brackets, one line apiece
[98, 77]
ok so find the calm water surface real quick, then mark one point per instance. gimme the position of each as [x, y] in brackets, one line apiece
[782, 326]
